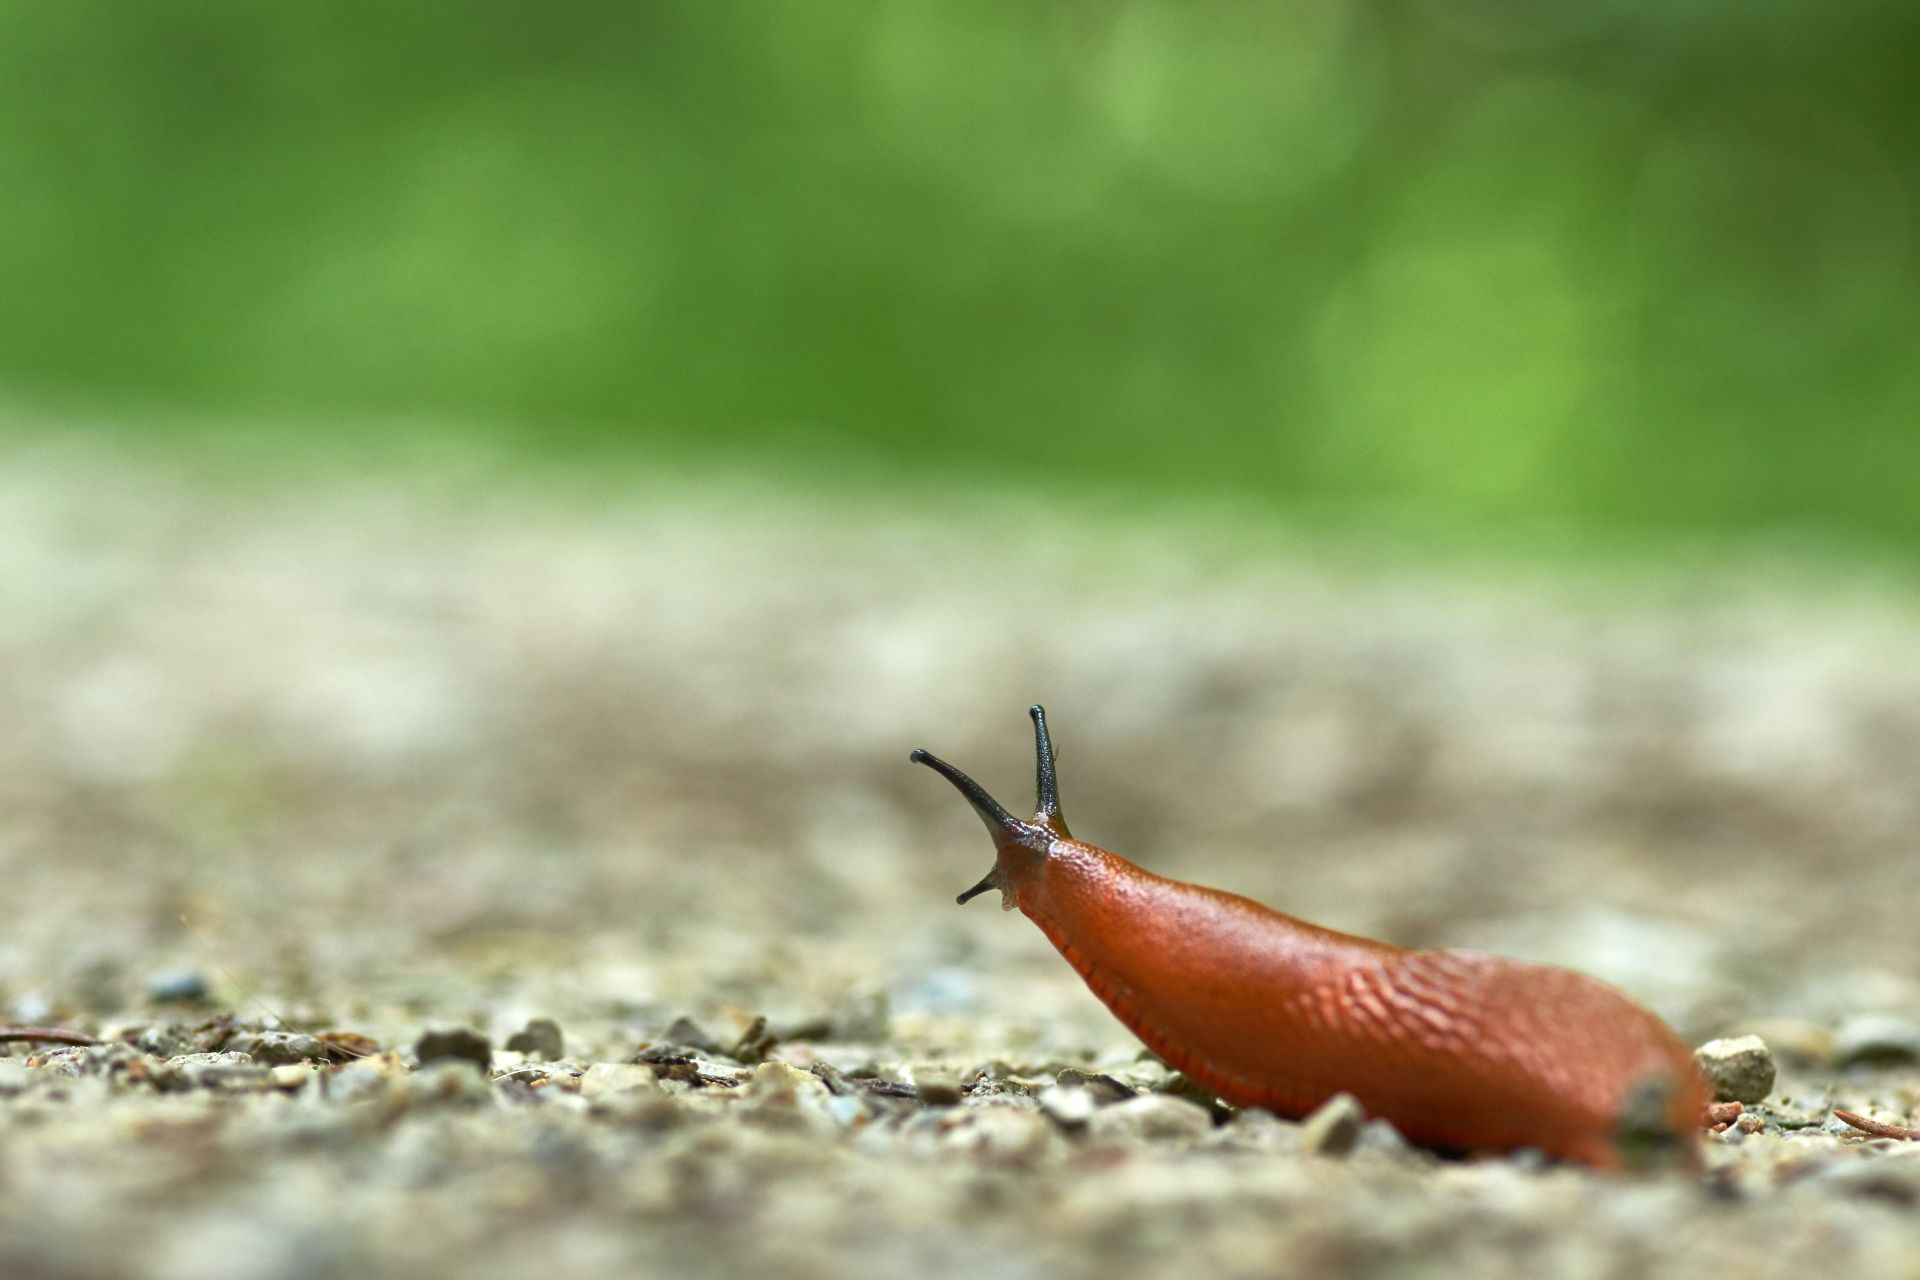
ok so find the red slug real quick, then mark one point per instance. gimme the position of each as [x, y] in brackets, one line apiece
[1459, 1050]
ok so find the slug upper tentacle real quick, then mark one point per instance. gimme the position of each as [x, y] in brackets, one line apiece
[1046, 788]
[1031, 838]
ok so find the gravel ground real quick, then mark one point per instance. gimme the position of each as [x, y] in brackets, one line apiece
[296, 771]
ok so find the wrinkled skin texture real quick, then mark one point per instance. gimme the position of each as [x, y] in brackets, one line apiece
[1457, 1049]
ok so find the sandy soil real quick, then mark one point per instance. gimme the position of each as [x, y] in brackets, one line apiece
[397, 753]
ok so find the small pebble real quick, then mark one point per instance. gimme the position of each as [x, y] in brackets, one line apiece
[368, 1077]
[1105, 1089]
[540, 1038]
[994, 1079]
[181, 984]
[1381, 1136]
[291, 1076]
[996, 1135]
[274, 1048]
[786, 1097]
[603, 1078]
[936, 1089]
[95, 1060]
[1334, 1127]
[207, 1071]
[443, 1080]
[543, 1073]
[1257, 1130]
[1069, 1106]
[1180, 1085]
[1149, 1117]
[1739, 1069]
[458, 1044]
[784, 1081]
[754, 1043]
[689, 1034]
[157, 1041]
[1783, 1116]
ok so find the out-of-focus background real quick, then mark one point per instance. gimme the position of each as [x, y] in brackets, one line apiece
[489, 496]
[1634, 267]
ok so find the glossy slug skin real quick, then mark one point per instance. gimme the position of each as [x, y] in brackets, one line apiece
[1458, 1049]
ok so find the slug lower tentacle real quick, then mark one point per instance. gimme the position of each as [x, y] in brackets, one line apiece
[1457, 1049]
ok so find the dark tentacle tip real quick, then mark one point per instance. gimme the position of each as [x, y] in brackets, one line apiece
[1007, 830]
[1047, 780]
[988, 881]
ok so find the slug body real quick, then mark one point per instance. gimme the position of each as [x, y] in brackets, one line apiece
[1457, 1049]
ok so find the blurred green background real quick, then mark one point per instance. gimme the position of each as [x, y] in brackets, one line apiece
[1615, 266]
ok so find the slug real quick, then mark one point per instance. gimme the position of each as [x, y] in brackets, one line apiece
[1461, 1051]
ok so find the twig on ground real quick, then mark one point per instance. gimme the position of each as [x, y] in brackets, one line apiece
[1877, 1128]
[52, 1035]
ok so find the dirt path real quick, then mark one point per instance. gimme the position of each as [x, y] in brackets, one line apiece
[384, 756]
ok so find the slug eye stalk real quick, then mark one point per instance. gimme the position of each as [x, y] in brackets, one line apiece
[1006, 829]
[1047, 783]
[990, 810]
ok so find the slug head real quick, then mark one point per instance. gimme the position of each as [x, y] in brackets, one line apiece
[1021, 846]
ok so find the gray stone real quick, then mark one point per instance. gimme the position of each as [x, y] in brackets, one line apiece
[278, 1048]
[291, 1076]
[363, 1078]
[1069, 1106]
[936, 1088]
[181, 984]
[540, 1038]
[690, 1034]
[1334, 1127]
[755, 1043]
[223, 1070]
[459, 1044]
[1104, 1088]
[1381, 1137]
[1254, 1129]
[1739, 1069]
[1180, 1085]
[604, 1078]
[1009, 1136]
[1150, 1117]
[158, 1041]
[448, 1080]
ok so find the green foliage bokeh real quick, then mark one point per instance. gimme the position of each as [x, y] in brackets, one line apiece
[1620, 264]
